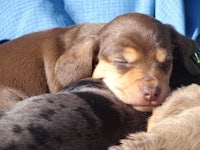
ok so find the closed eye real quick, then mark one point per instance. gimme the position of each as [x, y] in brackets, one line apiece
[166, 64]
[168, 59]
[122, 63]
[119, 60]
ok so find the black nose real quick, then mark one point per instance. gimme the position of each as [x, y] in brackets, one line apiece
[150, 93]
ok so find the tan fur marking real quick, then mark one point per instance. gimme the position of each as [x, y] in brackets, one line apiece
[131, 55]
[161, 55]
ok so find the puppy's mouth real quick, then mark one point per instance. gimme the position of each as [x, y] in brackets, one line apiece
[140, 103]
[150, 103]
[142, 98]
[147, 106]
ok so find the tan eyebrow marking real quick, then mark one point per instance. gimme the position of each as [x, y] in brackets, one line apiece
[161, 55]
[131, 55]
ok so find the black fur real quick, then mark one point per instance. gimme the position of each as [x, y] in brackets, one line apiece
[83, 116]
[181, 77]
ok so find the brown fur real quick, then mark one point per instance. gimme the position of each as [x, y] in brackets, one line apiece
[173, 126]
[46, 61]
[136, 59]
[133, 52]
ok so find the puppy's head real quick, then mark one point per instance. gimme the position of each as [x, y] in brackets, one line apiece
[136, 59]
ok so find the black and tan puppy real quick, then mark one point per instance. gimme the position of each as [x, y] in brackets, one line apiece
[83, 116]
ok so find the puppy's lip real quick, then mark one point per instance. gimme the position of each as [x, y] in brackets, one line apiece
[156, 103]
[144, 108]
[149, 103]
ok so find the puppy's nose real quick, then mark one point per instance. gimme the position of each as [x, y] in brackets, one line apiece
[151, 93]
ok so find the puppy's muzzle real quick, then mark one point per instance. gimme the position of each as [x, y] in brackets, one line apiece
[150, 93]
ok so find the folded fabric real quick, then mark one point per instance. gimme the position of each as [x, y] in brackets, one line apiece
[21, 17]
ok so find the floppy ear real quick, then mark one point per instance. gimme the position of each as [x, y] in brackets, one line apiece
[76, 63]
[185, 69]
[184, 49]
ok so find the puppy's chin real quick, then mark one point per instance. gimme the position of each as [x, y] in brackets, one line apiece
[144, 108]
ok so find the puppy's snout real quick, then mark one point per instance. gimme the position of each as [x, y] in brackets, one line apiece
[150, 93]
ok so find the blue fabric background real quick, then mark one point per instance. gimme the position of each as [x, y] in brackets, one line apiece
[21, 17]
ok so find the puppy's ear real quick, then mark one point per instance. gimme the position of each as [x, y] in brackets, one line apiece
[184, 49]
[76, 63]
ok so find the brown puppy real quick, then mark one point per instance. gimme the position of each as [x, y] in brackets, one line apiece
[173, 126]
[45, 61]
[135, 59]
[135, 55]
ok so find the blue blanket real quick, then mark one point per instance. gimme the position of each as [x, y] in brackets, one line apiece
[21, 17]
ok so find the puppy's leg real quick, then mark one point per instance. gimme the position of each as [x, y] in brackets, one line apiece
[9, 97]
[141, 141]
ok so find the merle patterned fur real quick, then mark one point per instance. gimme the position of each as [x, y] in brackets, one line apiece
[83, 116]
